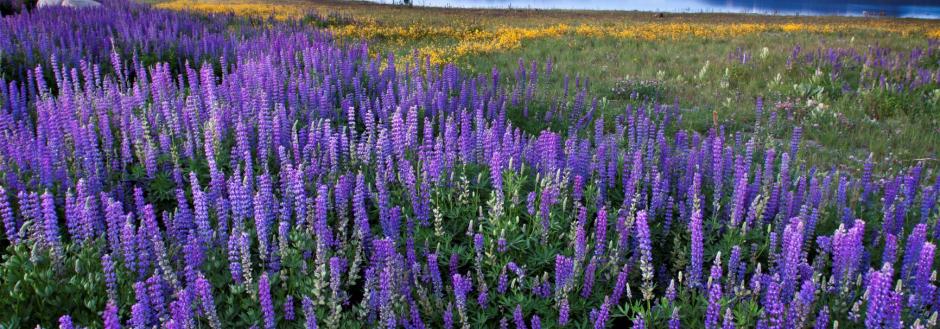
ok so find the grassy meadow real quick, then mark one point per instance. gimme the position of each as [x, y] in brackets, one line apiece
[715, 65]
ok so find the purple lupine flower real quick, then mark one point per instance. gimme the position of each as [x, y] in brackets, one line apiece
[139, 316]
[580, 242]
[889, 255]
[112, 320]
[602, 315]
[644, 244]
[600, 232]
[337, 267]
[110, 276]
[462, 286]
[267, 305]
[65, 322]
[128, 244]
[478, 243]
[563, 312]
[530, 203]
[51, 226]
[142, 296]
[289, 308]
[207, 302]
[502, 282]
[621, 286]
[728, 322]
[321, 227]
[496, 173]
[6, 215]
[360, 213]
[453, 263]
[792, 254]
[713, 311]
[310, 317]
[912, 249]
[822, 319]
[674, 322]
[201, 210]
[483, 296]
[734, 263]
[536, 322]
[577, 189]
[435, 274]
[671, 291]
[448, 316]
[759, 109]
[588, 285]
[518, 318]
[795, 141]
[866, 181]
[773, 305]
[879, 295]
[695, 270]
[155, 295]
[638, 322]
[234, 257]
[923, 288]
[847, 249]
[564, 273]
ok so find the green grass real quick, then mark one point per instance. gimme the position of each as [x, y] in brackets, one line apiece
[850, 129]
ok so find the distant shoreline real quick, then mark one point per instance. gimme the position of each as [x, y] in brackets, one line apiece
[769, 13]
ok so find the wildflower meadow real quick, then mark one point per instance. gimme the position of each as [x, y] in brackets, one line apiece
[172, 167]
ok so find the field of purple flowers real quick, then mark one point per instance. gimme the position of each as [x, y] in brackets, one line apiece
[160, 169]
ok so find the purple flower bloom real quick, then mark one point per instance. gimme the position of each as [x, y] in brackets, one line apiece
[110, 276]
[881, 303]
[267, 305]
[435, 274]
[310, 317]
[674, 322]
[563, 312]
[462, 286]
[6, 215]
[792, 255]
[795, 141]
[822, 319]
[600, 232]
[644, 244]
[337, 267]
[536, 322]
[602, 315]
[51, 226]
[713, 310]
[773, 305]
[518, 317]
[448, 316]
[112, 319]
[564, 273]
[588, 285]
[204, 291]
[289, 308]
[729, 320]
[695, 271]
[923, 288]
[65, 322]
[912, 249]
[638, 322]
[139, 316]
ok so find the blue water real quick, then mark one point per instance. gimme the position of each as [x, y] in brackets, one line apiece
[894, 8]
